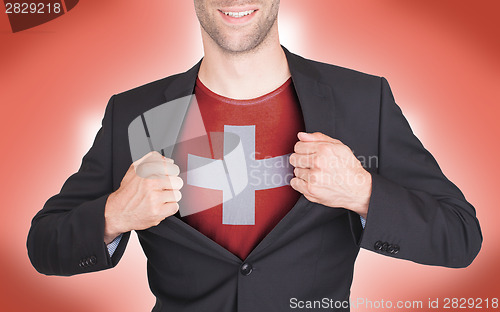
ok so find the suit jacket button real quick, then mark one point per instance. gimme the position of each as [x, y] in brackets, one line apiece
[83, 263]
[384, 246]
[378, 245]
[390, 249]
[246, 269]
[396, 249]
[93, 260]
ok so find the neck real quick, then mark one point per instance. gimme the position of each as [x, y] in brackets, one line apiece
[244, 75]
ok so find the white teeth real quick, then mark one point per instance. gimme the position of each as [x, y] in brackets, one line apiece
[239, 14]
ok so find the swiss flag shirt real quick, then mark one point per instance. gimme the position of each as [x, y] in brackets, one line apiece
[239, 147]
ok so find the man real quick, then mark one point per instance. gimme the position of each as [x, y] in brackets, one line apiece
[299, 240]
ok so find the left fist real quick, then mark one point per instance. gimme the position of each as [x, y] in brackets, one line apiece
[327, 172]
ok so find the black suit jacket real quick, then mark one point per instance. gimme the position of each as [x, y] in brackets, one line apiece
[415, 212]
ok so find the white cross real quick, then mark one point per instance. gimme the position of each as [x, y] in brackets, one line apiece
[239, 174]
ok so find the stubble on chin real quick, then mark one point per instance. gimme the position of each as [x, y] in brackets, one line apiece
[244, 44]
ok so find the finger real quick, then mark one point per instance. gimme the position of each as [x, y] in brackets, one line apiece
[303, 147]
[150, 155]
[164, 183]
[310, 147]
[156, 157]
[170, 196]
[157, 169]
[168, 160]
[171, 169]
[172, 183]
[302, 161]
[301, 186]
[311, 176]
[302, 173]
[132, 170]
[316, 137]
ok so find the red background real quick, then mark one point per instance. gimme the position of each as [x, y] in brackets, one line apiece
[440, 57]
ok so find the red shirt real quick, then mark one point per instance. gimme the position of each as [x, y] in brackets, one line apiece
[277, 118]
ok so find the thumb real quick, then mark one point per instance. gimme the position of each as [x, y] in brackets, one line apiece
[152, 156]
[316, 137]
[144, 157]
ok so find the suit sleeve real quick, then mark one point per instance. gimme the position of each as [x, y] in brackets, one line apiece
[67, 236]
[415, 212]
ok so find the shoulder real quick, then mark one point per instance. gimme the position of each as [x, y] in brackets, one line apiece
[334, 75]
[150, 91]
[125, 106]
[134, 102]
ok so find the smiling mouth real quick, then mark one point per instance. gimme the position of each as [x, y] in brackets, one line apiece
[239, 14]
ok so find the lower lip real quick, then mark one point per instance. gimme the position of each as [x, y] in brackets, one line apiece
[237, 20]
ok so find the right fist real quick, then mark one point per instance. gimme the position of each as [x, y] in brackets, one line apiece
[148, 193]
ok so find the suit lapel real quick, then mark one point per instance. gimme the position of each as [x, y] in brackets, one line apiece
[183, 84]
[158, 128]
[316, 99]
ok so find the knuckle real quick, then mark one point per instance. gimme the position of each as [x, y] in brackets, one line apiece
[168, 160]
[157, 184]
[313, 178]
[315, 171]
[167, 183]
[159, 198]
[343, 150]
[317, 161]
[303, 162]
[325, 148]
[148, 184]
[146, 170]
